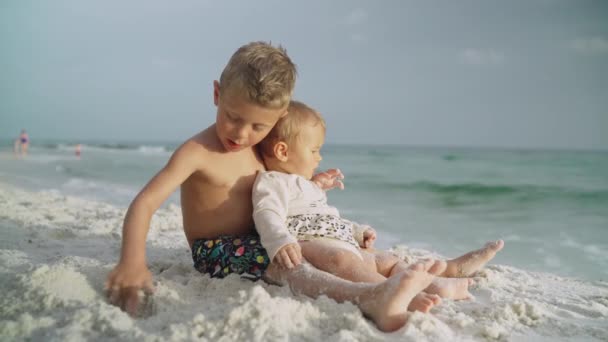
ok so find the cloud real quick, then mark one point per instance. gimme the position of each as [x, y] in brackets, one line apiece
[356, 17]
[160, 62]
[358, 38]
[590, 46]
[481, 57]
[354, 20]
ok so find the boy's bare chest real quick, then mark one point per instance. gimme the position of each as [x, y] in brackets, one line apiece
[234, 173]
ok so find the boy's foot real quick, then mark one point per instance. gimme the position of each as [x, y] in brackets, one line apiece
[386, 303]
[466, 265]
[424, 302]
[450, 288]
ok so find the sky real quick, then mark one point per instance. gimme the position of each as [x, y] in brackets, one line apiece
[514, 74]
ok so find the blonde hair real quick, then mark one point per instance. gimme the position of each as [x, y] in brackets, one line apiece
[260, 73]
[288, 128]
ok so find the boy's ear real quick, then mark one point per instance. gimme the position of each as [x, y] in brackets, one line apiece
[216, 92]
[280, 151]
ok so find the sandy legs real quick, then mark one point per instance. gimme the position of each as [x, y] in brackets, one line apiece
[443, 287]
[453, 283]
[376, 266]
[342, 262]
[467, 264]
[385, 303]
[373, 269]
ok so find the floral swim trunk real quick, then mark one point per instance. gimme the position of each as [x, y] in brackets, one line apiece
[226, 254]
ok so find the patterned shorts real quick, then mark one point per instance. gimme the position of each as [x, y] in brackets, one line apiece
[309, 227]
[228, 254]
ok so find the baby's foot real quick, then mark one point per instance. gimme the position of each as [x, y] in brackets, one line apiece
[424, 302]
[386, 304]
[466, 265]
[450, 288]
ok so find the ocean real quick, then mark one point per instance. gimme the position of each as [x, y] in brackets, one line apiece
[550, 207]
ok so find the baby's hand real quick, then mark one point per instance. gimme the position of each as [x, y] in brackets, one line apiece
[369, 237]
[289, 256]
[329, 179]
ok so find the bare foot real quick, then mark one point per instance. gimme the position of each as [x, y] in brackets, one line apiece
[466, 265]
[450, 288]
[424, 302]
[386, 303]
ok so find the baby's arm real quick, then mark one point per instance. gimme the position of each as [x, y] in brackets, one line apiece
[270, 205]
[131, 273]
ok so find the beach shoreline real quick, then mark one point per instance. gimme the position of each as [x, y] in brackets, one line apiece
[57, 249]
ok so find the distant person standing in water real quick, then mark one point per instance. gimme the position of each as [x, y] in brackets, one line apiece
[78, 150]
[21, 144]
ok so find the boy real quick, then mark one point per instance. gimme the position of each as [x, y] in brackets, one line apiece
[294, 220]
[215, 170]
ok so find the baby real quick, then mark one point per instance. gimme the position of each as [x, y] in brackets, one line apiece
[294, 220]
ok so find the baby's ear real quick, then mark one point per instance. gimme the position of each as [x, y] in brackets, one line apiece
[280, 151]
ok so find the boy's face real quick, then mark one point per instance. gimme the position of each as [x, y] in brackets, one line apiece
[304, 155]
[241, 124]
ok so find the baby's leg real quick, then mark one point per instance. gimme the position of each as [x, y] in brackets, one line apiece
[389, 264]
[466, 265]
[335, 258]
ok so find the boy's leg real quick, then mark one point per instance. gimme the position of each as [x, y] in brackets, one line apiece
[424, 302]
[467, 264]
[387, 263]
[384, 303]
[451, 288]
[330, 256]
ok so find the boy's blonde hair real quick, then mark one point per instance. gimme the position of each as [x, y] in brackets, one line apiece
[288, 128]
[261, 74]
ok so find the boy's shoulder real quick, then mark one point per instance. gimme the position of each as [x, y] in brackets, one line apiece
[203, 142]
[196, 150]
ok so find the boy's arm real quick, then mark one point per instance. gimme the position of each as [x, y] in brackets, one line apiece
[131, 272]
[270, 205]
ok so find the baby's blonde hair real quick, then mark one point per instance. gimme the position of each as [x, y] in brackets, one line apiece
[260, 73]
[288, 128]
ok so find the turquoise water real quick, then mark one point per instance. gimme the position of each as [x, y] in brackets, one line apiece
[551, 207]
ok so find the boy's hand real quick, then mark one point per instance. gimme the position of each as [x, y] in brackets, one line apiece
[369, 237]
[123, 285]
[329, 179]
[289, 256]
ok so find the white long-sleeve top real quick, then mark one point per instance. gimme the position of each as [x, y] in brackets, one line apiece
[277, 195]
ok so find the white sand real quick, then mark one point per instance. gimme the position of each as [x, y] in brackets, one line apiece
[55, 252]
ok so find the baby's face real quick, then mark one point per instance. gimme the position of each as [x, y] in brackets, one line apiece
[304, 154]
